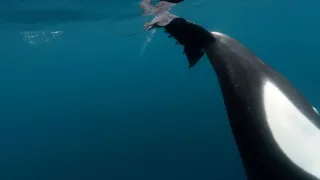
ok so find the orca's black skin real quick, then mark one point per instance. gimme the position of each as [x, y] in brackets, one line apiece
[193, 37]
[242, 77]
[173, 1]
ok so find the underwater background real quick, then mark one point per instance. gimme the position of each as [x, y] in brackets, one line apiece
[80, 101]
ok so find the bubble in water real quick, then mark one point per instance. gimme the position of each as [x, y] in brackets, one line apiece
[147, 41]
[37, 37]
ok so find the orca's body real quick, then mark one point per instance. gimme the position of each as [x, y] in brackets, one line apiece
[276, 129]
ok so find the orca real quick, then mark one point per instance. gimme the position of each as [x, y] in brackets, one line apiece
[276, 129]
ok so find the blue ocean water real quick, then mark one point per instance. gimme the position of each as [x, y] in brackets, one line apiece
[79, 101]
